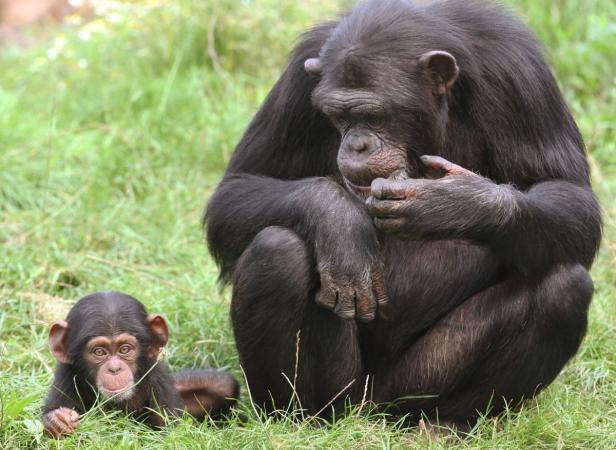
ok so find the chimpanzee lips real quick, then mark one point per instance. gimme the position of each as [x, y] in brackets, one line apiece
[361, 190]
[115, 385]
[114, 391]
[117, 394]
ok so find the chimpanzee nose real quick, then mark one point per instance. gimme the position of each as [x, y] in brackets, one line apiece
[114, 367]
[357, 143]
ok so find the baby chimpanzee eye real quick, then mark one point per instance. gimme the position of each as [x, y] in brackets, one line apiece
[99, 351]
[125, 349]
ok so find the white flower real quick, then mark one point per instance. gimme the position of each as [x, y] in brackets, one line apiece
[56, 48]
[84, 34]
[114, 17]
[52, 53]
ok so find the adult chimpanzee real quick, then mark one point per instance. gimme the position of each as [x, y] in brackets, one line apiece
[107, 349]
[340, 188]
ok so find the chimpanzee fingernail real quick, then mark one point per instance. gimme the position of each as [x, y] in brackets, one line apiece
[433, 161]
[366, 317]
[377, 187]
[400, 175]
[347, 314]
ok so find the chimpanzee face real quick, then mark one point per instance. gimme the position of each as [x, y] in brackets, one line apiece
[368, 148]
[110, 341]
[387, 116]
[112, 364]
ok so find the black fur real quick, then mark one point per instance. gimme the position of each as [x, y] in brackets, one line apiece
[489, 289]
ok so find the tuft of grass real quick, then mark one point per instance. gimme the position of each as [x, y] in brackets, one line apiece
[112, 136]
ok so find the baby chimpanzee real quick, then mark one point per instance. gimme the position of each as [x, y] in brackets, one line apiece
[107, 349]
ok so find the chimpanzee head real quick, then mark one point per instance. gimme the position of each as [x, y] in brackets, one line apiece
[385, 75]
[110, 341]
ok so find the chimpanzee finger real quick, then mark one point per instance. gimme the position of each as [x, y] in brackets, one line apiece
[50, 428]
[345, 307]
[392, 189]
[365, 305]
[53, 429]
[384, 208]
[63, 430]
[63, 419]
[67, 418]
[388, 225]
[75, 416]
[56, 425]
[326, 296]
[382, 301]
[74, 419]
[67, 415]
[438, 167]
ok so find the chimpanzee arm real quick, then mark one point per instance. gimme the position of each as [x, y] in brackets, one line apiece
[336, 228]
[554, 222]
[551, 222]
[60, 415]
[63, 391]
[337, 231]
[288, 139]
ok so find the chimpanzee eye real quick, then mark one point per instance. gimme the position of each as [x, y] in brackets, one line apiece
[338, 121]
[375, 121]
[329, 111]
[125, 349]
[337, 117]
[98, 351]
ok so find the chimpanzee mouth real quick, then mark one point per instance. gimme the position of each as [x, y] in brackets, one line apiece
[117, 395]
[363, 191]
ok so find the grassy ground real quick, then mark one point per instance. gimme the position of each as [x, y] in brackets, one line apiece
[113, 135]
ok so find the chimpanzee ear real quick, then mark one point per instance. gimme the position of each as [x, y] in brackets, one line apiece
[313, 66]
[159, 332]
[57, 340]
[440, 68]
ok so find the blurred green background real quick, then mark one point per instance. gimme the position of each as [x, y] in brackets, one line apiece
[115, 126]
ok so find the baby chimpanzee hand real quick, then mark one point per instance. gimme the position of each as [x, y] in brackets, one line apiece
[60, 422]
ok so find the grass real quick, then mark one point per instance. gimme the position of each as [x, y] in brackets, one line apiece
[112, 136]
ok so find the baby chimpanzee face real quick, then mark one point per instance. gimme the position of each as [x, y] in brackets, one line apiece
[112, 341]
[113, 364]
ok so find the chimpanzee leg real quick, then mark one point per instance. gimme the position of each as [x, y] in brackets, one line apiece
[273, 299]
[498, 347]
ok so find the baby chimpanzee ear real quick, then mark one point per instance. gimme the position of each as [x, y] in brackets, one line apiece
[57, 340]
[159, 333]
[440, 68]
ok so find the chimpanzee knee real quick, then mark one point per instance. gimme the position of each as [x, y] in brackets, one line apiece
[561, 307]
[277, 239]
[547, 339]
[276, 262]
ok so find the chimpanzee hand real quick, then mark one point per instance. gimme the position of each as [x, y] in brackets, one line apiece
[459, 203]
[347, 260]
[361, 296]
[60, 422]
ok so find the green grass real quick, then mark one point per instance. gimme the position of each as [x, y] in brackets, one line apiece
[108, 152]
